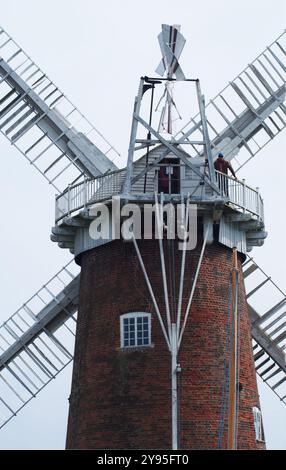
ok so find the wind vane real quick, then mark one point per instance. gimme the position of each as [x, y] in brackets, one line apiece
[171, 43]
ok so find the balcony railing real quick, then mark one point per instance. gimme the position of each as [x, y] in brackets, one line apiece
[79, 196]
[241, 195]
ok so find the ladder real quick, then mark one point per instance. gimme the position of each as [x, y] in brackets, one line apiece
[42, 123]
[37, 341]
[268, 328]
[249, 112]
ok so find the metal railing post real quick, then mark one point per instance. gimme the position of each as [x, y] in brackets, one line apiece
[84, 192]
[56, 207]
[257, 202]
[243, 195]
[69, 199]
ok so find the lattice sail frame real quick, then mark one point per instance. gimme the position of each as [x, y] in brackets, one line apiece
[44, 125]
[37, 341]
[249, 112]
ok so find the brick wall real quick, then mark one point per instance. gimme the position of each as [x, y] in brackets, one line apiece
[121, 398]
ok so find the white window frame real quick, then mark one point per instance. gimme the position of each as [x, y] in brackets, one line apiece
[135, 315]
[258, 426]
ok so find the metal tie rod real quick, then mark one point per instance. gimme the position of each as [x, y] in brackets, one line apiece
[151, 292]
[182, 274]
[159, 218]
[194, 285]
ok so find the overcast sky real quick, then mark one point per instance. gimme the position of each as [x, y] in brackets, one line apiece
[95, 52]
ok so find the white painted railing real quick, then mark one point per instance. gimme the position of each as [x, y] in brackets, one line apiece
[241, 195]
[78, 196]
[81, 195]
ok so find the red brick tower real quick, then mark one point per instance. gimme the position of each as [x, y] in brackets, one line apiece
[121, 397]
[163, 355]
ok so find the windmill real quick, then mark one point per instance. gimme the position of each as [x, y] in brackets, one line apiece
[37, 341]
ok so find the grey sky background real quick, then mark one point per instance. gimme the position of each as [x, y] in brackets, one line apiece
[95, 52]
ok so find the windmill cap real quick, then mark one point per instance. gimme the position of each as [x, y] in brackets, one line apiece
[220, 154]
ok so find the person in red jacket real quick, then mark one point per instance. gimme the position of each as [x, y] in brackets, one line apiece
[223, 166]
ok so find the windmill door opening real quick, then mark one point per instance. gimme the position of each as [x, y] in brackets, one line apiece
[169, 176]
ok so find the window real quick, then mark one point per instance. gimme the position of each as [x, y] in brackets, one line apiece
[257, 415]
[135, 329]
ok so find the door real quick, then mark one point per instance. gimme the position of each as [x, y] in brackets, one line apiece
[169, 176]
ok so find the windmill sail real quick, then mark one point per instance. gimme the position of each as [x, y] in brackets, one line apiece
[268, 328]
[37, 341]
[41, 122]
[249, 112]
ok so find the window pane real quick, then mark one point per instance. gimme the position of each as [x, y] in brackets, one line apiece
[135, 330]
